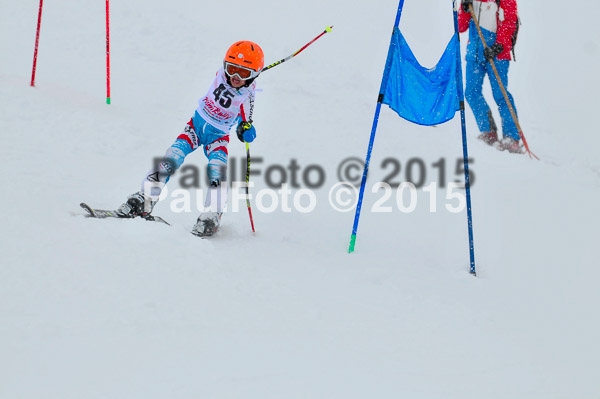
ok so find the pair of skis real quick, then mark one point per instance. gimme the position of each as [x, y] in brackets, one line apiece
[104, 214]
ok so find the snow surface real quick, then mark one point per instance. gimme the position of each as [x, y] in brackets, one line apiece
[132, 309]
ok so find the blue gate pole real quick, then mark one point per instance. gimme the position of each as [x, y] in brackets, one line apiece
[461, 97]
[386, 72]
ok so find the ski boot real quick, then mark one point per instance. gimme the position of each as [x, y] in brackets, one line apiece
[138, 204]
[488, 137]
[511, 145]
[207, 224]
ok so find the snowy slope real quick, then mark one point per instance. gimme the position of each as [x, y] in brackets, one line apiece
[131, 309]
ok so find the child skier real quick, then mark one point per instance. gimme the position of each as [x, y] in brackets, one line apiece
[229, 100]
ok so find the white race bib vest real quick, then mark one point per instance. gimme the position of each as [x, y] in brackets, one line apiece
[222, 104]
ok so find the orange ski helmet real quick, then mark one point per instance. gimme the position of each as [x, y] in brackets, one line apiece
[246, 54]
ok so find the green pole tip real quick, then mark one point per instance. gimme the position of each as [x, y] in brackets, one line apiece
[352, 243]
[108, 100]
[328, 29]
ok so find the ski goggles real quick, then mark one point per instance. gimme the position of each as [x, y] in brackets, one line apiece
[242, 72]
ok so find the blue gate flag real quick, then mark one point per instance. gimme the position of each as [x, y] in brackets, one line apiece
[420, 95]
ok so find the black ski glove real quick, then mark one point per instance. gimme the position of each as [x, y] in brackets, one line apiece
[465, 5]
[492, 52]
[246, 132]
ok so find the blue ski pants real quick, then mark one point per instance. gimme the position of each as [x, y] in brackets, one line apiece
[476, 71]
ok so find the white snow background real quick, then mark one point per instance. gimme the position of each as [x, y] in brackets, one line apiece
[133, 309]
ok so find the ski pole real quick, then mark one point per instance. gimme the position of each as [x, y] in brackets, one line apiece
[247, 184]
[243, 115]
[504, 93]
[328, 29]
[37, 42]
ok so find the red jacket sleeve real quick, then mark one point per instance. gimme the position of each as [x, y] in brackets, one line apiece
[463, 19]
[507, 27]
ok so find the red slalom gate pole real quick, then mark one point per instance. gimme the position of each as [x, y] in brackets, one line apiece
[107, 54]
[37, 42]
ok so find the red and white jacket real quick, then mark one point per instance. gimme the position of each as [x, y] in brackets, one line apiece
[501, 20]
